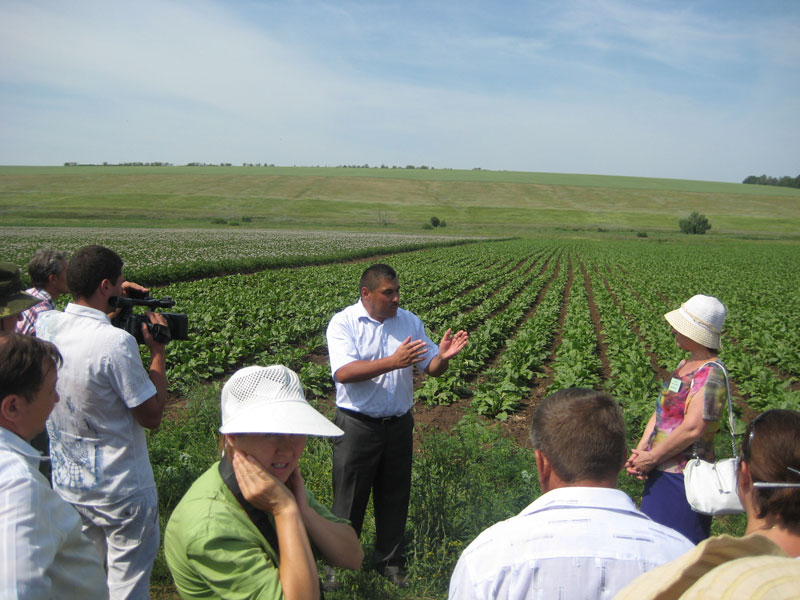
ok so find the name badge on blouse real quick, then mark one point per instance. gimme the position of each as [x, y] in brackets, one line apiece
[674, 384]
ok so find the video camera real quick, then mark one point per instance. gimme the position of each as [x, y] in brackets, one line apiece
[177, 327]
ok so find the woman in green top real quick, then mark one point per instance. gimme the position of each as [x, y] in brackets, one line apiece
[247, 526]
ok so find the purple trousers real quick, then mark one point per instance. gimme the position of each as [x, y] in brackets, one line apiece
[664, 501]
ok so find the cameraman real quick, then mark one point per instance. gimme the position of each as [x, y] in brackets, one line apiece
[98, 449]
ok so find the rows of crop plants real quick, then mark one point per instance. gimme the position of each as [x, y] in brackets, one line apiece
[509, 380]
[576, 363]
[509, 296]
[632, 380]
[281, 315]
[157, 256]
[760, 331]
[490, 324]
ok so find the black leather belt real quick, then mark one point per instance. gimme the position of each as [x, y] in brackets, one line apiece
[368, 419]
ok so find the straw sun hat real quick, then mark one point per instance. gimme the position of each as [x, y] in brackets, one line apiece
[270, 400]
[700, 319]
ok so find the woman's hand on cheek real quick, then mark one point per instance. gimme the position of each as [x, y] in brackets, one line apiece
[297, 486]
[260, 488]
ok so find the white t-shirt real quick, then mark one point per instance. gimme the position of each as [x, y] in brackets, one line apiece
[98, 449]
[354, 335]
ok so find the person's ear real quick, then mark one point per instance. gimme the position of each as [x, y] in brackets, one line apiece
[11, 409]
[544, 468]
[105, 287]
[744, 481]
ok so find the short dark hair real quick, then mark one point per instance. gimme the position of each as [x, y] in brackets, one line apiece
[89, 266]
[582, 434]
[775, 445]
[44, 263]
[373, 275]
[22, 359]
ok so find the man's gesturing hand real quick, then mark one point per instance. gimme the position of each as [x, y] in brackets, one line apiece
[409, 353]
[452, 344]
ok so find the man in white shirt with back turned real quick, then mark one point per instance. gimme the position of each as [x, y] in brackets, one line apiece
[97, 439]
[582, 538]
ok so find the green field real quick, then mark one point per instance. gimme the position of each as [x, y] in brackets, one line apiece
[577, 299]
[397, 200]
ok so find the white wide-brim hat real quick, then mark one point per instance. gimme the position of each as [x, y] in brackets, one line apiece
[270, 400]
[700, 319]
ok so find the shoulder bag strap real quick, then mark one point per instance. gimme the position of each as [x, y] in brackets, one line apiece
[731, 424]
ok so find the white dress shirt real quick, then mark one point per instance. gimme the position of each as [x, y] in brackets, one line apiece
[98, 448]
[43, 553]
[572, 542]
[354, 335]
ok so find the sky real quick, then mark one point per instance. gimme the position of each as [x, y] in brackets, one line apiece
[688, 90]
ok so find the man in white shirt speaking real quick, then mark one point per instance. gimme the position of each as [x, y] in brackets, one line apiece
[374, 345]
[582, 538]
[43, 553]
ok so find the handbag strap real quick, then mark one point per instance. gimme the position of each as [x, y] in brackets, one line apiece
[731, 423]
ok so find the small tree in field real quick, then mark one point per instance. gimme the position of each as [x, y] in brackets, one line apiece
[695, 223]
[435, 221]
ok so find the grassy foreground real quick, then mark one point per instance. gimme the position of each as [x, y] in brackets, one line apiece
[462, 482]
[471, 202]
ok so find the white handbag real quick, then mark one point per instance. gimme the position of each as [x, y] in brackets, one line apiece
[711, 487]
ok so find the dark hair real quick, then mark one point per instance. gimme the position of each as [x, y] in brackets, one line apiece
[89, 266]
[44, 263]
[771, 443]
[582, 433]
[22, 359]
[373, 275]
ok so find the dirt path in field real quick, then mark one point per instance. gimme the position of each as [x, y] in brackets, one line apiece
[662, 373]
[518, 425]
[602, 346]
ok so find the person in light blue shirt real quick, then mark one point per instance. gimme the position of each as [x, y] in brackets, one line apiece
[582, 538]
[43, 553]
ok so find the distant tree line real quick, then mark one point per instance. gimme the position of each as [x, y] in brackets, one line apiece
[366, 166]
[125, 164]
[226, 164]
[784, 181]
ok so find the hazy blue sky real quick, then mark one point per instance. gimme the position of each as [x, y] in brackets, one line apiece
[694, 90]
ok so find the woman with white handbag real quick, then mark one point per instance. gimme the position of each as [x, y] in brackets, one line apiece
[686, 418]
[750, 566]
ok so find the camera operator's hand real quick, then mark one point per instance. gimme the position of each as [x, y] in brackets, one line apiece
[155, 318]
[134, 290]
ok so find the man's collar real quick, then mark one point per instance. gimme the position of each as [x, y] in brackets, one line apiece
[86, 311]
[362, 312]
[583, 497]
[40, 293]
[11, 440]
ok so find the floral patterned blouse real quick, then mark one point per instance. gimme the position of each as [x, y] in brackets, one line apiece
[671, 407]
